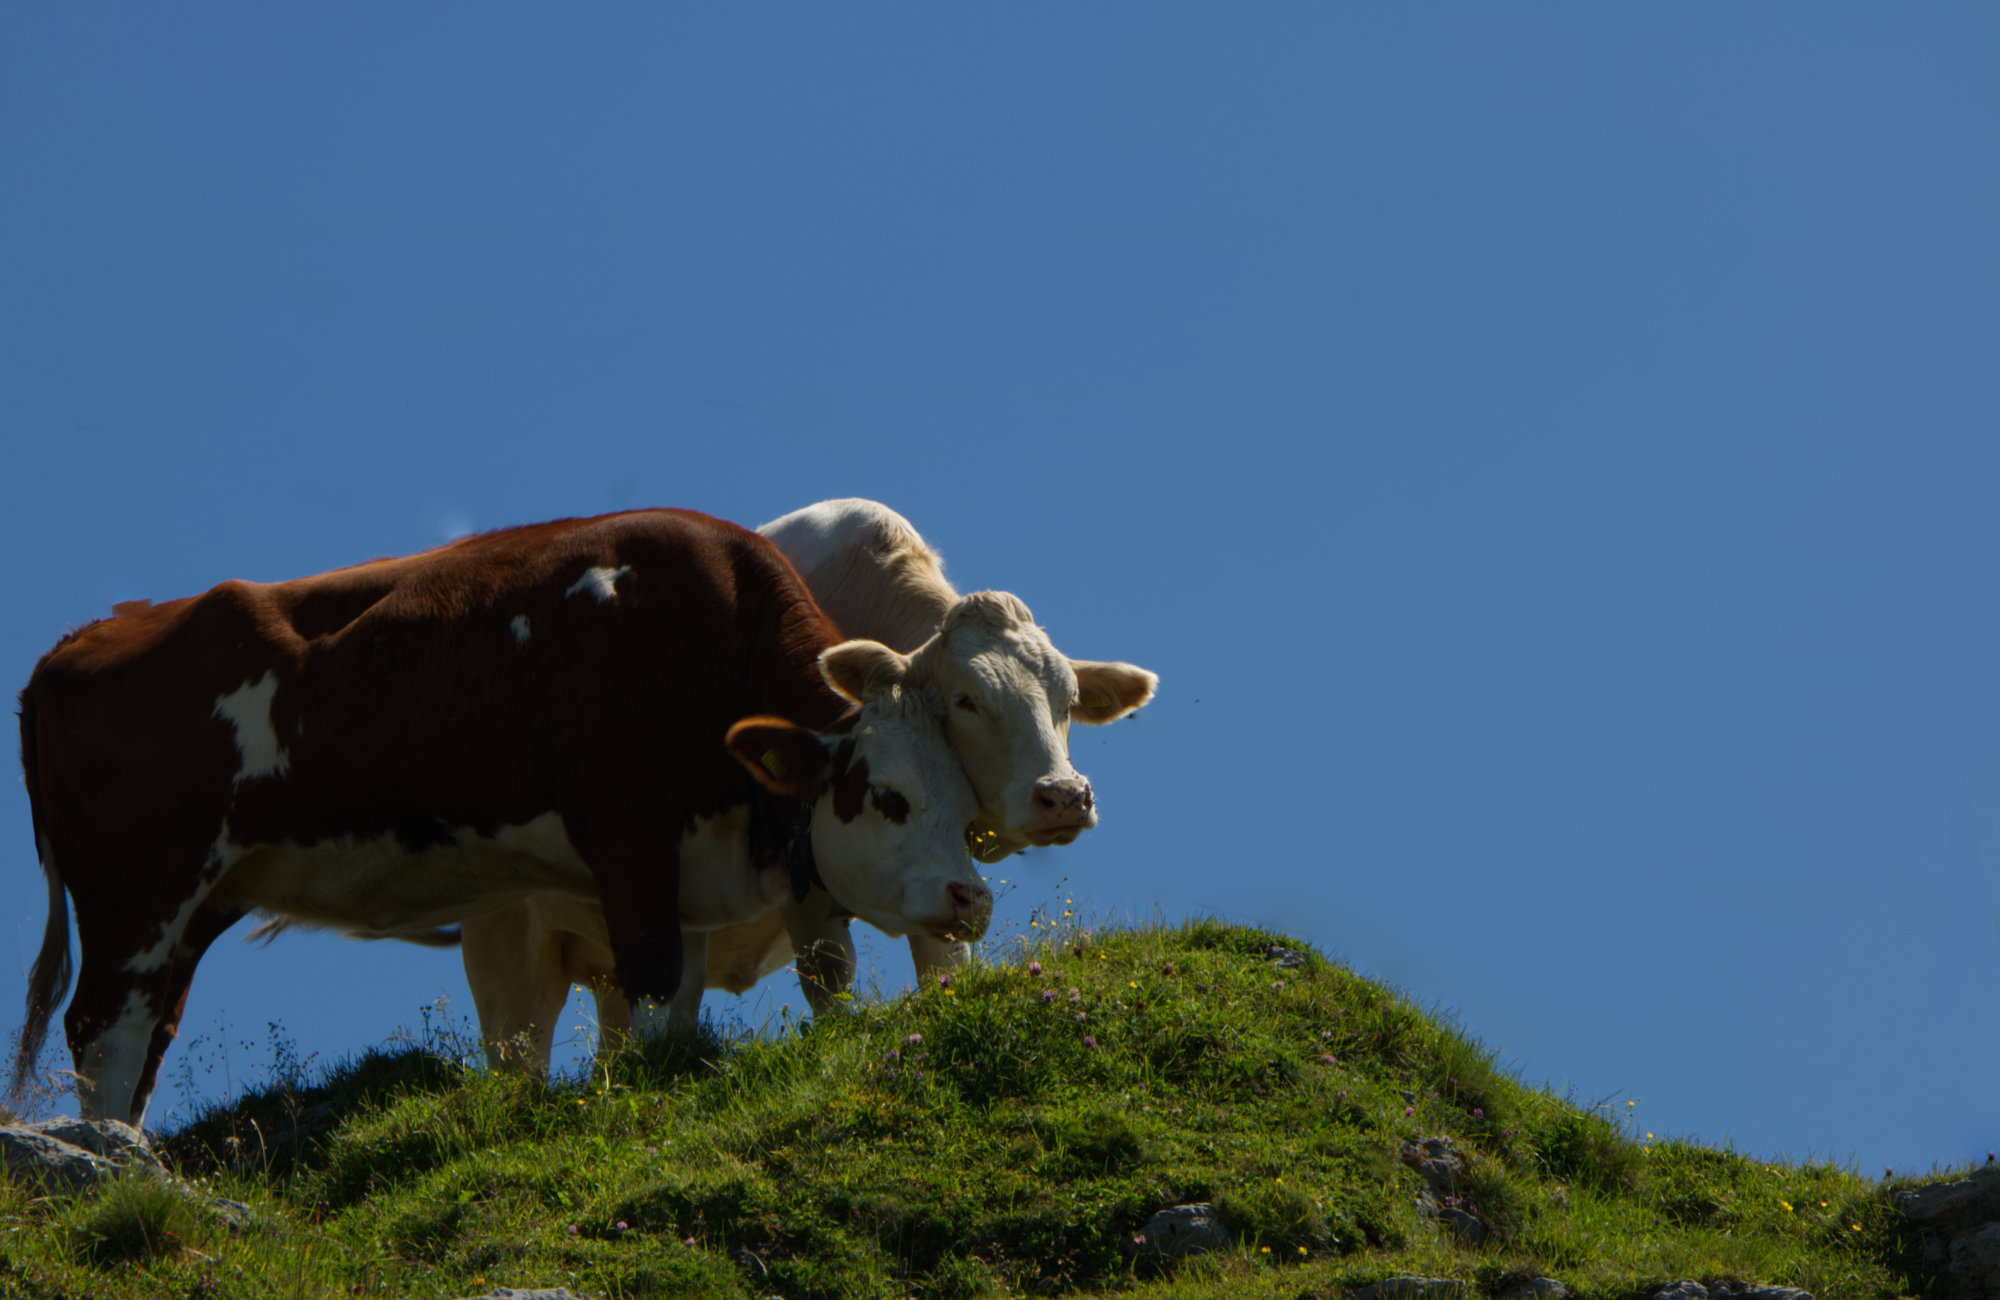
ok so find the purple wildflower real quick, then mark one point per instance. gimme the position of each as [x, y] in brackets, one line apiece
[1089, 1041]
[1034, 968]
[1048, 995]
[914, 1039]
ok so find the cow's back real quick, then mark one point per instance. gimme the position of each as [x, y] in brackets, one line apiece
[869, 569]
[478, 683]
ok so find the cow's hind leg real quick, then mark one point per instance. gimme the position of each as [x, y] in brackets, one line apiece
[204, 929]
[132, 985]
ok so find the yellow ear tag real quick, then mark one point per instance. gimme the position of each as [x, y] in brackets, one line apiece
[774, 763]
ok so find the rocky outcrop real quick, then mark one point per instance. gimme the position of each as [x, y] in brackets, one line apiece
[1179, 1230]
[1412, 1288]
[1691, 1290]
[1438, 1162]
[69, 1155]
[1957, 1227]
[1533, 1288]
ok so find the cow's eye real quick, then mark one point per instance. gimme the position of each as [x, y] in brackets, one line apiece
[964, 701]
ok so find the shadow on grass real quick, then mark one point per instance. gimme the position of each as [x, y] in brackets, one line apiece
[276, 1130]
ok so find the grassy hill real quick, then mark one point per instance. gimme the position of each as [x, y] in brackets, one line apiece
[1008, 1133]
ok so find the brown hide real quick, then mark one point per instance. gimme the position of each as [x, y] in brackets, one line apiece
[406, 705]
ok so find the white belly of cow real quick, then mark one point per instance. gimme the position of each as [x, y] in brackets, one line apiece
[720, 886]
[379, 885]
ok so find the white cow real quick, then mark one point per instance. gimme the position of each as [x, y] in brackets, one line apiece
[1006, 697]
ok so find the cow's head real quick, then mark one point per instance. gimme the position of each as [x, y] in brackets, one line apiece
[893, 806]
[1007, 697]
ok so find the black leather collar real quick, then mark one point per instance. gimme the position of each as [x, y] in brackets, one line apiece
[799, 855]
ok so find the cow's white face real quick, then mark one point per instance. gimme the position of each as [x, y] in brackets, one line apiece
[1007, 697]
[890, 822]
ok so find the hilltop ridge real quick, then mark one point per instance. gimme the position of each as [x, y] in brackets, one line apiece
[1012, 1131]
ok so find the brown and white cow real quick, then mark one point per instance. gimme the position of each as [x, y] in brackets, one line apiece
[627, 710]
[1007, 696]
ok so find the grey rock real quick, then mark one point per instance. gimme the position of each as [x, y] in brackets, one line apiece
[1468, 1229]
[1285, 958]
[1181, 1230]
[32, 1156]
[71, 1154]
[1975, 1261]
[538, 1293]
[1973, 1198]
[111, 1138]
[1534, 1288]
[1766, 1293]
[1412, 1288]
[1437, 1162]
[1685, 1289]
[233, 1213]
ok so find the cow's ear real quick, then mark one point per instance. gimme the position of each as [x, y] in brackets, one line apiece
[860, 670]
[785, 758]
[1107, 692]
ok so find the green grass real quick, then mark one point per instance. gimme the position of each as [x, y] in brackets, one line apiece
[1004, 1135]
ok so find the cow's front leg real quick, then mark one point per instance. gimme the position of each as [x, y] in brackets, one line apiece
[822, 947]
[653, 1019]
[930, 955]
[519, 981]
[638, 883]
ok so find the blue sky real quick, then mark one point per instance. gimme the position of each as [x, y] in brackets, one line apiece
[1549, 455]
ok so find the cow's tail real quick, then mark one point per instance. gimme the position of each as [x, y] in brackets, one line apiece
[267, 931]
[48, 979]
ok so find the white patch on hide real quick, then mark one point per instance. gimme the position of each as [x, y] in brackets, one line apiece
[520, 626]
[599, 582]
[248, 709]
[113, 1061]
[221, 855]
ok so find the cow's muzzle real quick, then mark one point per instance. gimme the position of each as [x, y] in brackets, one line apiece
[967, 909]
[1063, 810]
